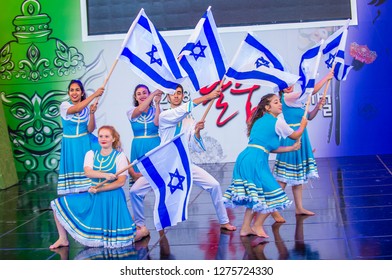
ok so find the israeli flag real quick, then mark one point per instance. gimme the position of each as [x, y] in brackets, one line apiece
[333, 51]
[308, 69]
[254, 63]
[203, 57]
[168, 170]
[149, 56]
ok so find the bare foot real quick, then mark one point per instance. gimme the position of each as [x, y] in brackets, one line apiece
[228, 227]
[304, 212]
[259, 232]
[277, 217]
[59, 243]
[246, 232]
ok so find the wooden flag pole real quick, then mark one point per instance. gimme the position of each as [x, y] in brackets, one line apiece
[307, 105]
[326, 87]
[107, 78]
[211, 103]
[117, 173]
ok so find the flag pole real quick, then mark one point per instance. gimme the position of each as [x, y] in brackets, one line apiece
[314, 76]
[326, 87]
[211, 102]
[130, 30]
[117, 173]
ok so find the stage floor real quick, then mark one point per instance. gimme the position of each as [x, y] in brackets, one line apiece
[352, 201]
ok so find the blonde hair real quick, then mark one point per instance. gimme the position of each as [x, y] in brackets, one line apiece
[117, 143]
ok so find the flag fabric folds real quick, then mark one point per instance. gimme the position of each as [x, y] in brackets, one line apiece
[254, 63]
[333, 51]
[203, 57]
[149, 56]
[168, 170]
[308, 68]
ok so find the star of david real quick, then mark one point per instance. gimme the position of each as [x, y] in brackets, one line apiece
[262, 62]
[176, 181]
[201, 50]
[151, 54]
[330, 60]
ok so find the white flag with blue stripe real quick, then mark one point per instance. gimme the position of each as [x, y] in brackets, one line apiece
[203, 57]
[149, 56]
[254, 63]
[333, 51]
[308, 69]
[168, 170]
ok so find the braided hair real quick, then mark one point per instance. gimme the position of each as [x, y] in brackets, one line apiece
[260, 110]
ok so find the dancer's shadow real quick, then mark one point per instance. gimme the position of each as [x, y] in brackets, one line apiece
[301, 250]
[164, 249]
[63, 252]
[100, 253]
[254, 247]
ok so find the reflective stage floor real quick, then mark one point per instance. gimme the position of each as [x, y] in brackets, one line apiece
[352, 201]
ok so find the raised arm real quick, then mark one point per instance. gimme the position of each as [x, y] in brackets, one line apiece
[145, 104]
[321, 83]
[316, 109]
[83, 104]
[212, 95]
[157, 101]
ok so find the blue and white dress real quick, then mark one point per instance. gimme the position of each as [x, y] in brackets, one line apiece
[296, 167]
[145, 133]
[74, 146]
[101, 219]
[253, 184]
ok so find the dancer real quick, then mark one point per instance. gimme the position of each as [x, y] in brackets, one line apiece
[172, 122]
[78, 122]
[143, 117]
[253, 184]
[294, 169]
[99, 217]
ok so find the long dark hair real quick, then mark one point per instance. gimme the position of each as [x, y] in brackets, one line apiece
[80, 84]
[135, 102]
[260, 110]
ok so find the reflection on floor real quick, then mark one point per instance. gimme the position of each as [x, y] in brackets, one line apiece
[352, 200]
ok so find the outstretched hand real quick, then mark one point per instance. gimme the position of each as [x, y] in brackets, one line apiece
[157, 96]
[321, 103]
[99, 91]
[214, 94]
[330, 74]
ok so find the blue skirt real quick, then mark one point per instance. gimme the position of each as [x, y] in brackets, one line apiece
[253, 184]
[71, 173]
[297, 167]
[141, 145]
[96, 220]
